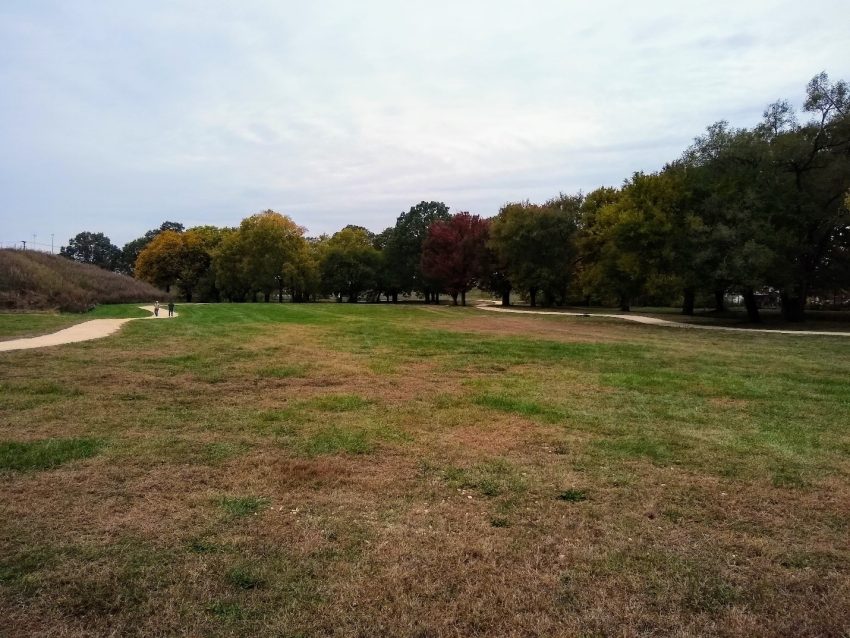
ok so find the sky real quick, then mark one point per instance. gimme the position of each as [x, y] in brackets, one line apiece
[116, 116]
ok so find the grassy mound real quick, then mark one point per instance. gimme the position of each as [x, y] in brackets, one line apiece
[38, 281]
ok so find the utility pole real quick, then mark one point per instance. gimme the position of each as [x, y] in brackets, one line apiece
[51, 243]
[24, 242]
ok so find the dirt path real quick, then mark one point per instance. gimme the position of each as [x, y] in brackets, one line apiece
[86, 331]
[654, 321]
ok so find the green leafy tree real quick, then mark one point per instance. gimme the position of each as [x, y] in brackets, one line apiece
[92, 248]
[272, 245]
[349, 263]
[805, 189]
[230, 267]
[536, 243]
[590, 240]
[403, 250]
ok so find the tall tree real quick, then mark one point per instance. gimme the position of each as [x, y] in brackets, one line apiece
[403, 250]
[92, 248]
[130, 251]
[537, 244]
[726, 169]
[230, 267]
[272, 245]
[806, 188]
[349, 263]
[454, 253]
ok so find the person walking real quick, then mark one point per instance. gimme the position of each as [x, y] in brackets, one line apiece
[156, 309]
[170, 308]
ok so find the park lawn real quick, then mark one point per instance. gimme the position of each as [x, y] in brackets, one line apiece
[330, 469]
[16, 325]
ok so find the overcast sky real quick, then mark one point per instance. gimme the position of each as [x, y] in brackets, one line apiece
[116, 116]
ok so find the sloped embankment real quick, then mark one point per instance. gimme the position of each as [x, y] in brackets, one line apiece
[31, 280]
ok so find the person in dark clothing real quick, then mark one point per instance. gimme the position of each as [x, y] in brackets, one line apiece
[170, 308]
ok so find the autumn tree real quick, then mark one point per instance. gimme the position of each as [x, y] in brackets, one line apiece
[159, 263]
[130, 251]
[454, 253]
[176, 259]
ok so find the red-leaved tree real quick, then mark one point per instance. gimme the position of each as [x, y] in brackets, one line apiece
[454, 253]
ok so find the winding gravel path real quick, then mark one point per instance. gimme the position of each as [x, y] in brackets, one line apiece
[86, 331]
[664, 322]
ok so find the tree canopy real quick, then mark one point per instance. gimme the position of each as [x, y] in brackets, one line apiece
[92, 248]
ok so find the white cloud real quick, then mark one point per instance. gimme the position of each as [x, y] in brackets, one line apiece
[340, 112]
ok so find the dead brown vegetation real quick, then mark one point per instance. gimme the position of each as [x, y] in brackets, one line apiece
[31, 280]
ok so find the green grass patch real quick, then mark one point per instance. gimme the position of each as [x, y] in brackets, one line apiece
[524, 407]
[284, 371]
[239, 506]
[227, 611]
[493, 477]
[337, 403]
[657, 450]
[45, 454]
[572, 496]
[336, 440]
[245, 577]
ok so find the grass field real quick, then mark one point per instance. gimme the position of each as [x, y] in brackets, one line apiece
[303, 470]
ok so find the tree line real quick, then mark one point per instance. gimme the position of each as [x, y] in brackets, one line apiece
[758, 212]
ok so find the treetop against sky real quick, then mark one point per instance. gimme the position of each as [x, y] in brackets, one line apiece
[122, 116]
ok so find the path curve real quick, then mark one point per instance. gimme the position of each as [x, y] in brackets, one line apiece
[654, 321]
[86, 331]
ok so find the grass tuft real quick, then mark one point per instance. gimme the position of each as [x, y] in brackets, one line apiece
[46, 454]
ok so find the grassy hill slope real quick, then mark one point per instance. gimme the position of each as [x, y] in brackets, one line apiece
[38, 281]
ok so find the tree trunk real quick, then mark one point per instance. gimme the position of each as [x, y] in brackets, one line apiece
[506, 297]
[532, 296]
[720, 300]
[624, 303]
[751, 306]
[793, 306]
[462, 297]
[395, 297]
[436, 297]
[688, 302]
[267, 296]
[280, 291]
[454, 298]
